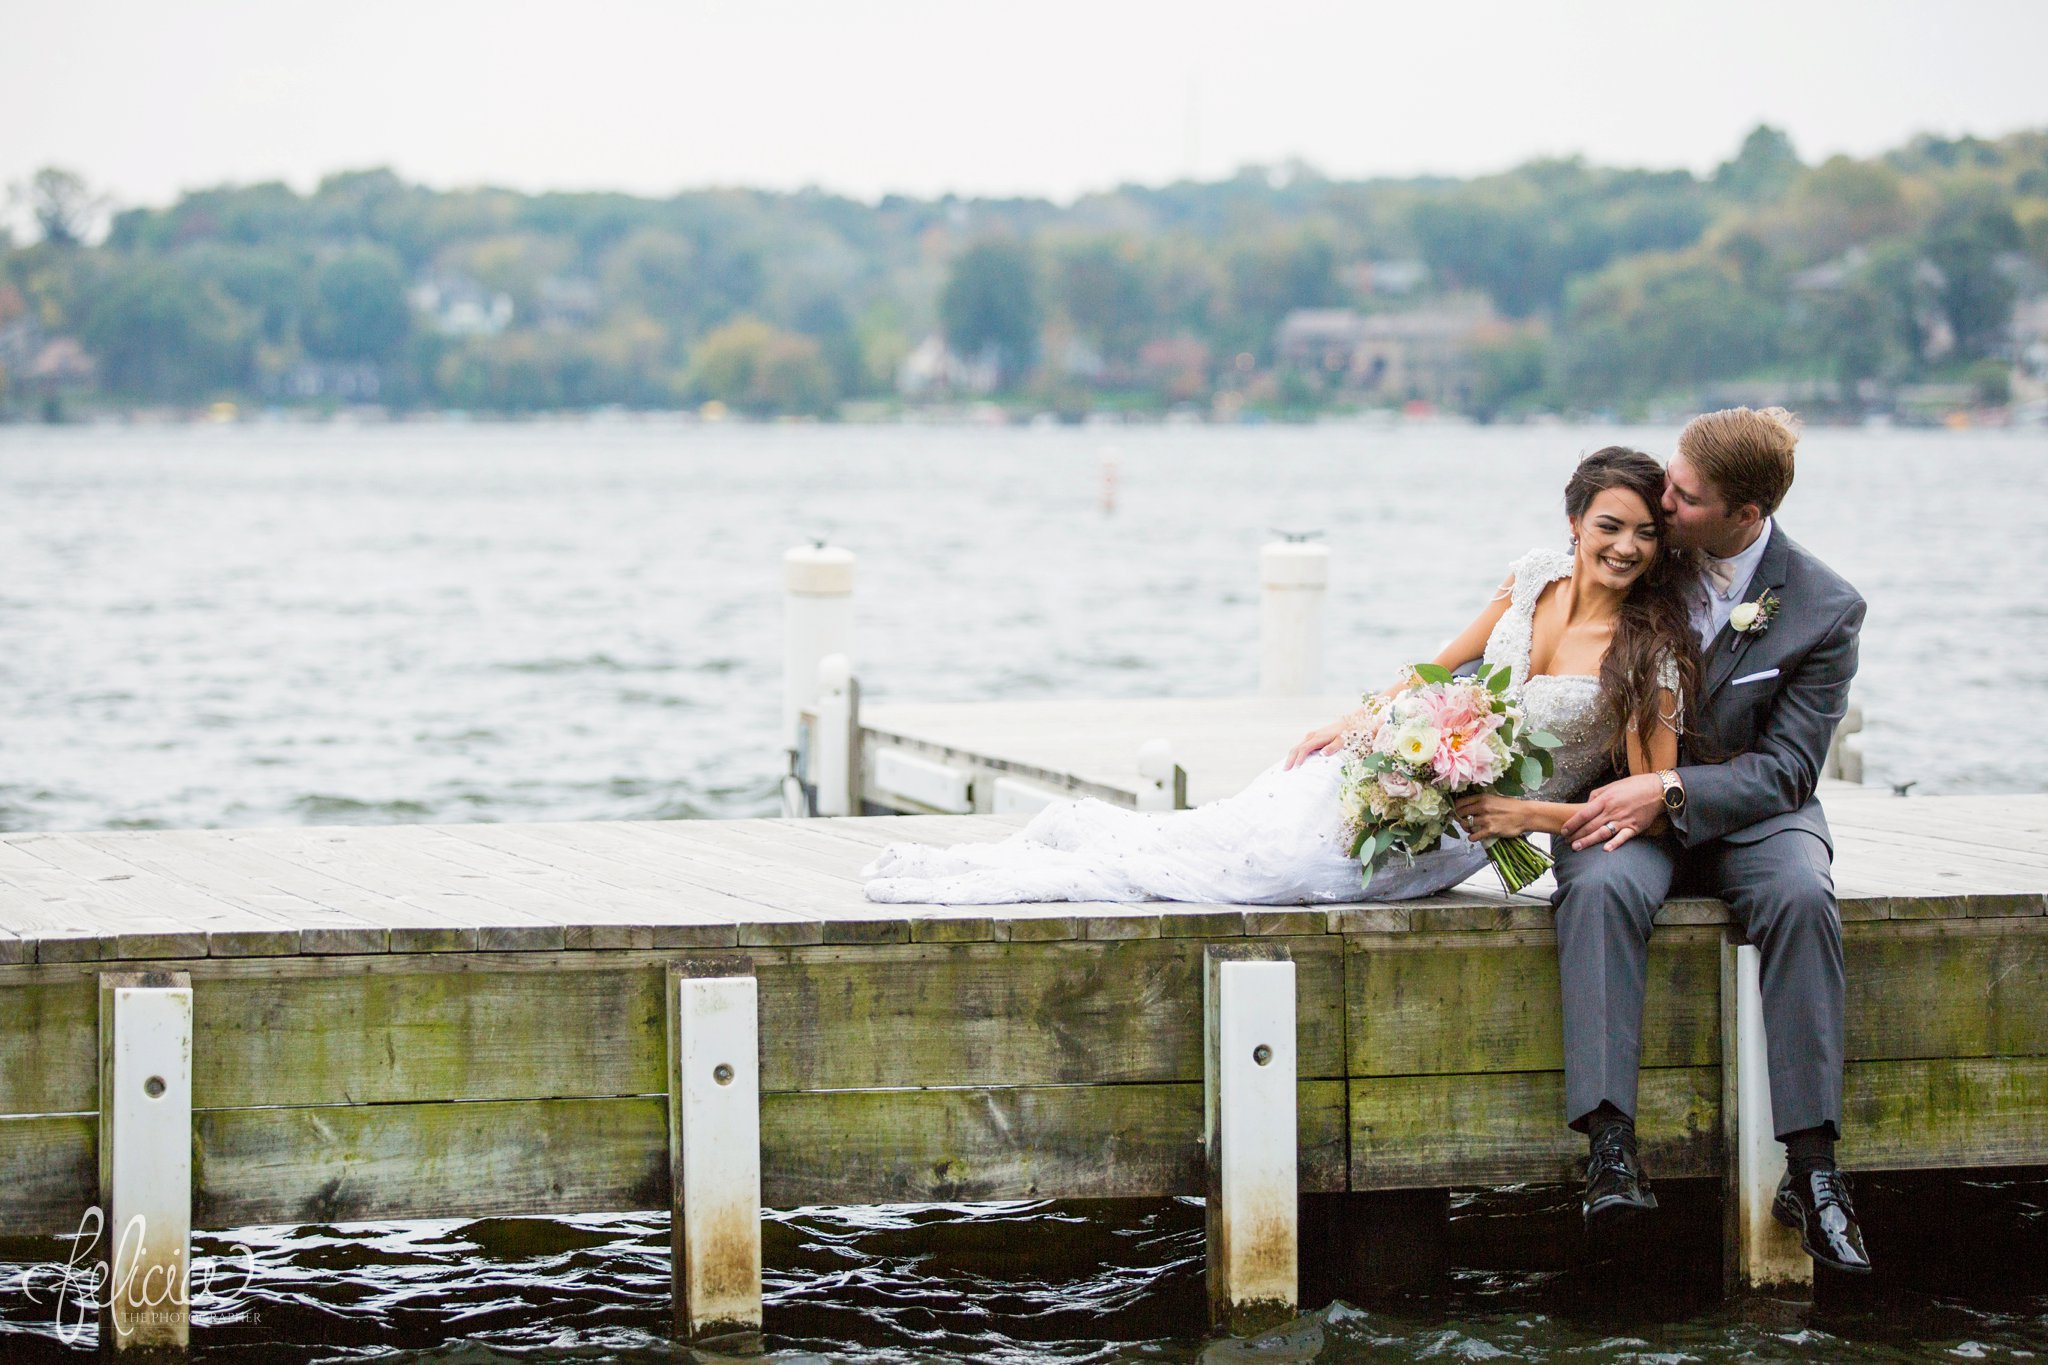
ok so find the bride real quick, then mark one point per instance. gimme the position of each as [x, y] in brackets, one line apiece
[1603, 653]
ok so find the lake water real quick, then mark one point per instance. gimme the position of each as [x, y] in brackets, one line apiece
[277, 625]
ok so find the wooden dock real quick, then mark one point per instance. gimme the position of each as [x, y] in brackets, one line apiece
[495, 1020]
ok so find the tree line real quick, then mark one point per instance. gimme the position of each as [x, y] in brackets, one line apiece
[1609, 286]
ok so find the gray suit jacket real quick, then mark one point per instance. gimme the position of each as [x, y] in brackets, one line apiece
[1771, 699]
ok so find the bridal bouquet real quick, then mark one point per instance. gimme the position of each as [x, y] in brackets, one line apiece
[1409, 756]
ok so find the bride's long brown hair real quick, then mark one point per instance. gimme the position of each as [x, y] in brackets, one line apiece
[1656, 615]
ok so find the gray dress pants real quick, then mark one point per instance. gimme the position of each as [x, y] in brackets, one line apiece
[1780, 888]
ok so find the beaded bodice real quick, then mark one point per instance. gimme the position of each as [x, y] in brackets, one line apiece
[1565, 704]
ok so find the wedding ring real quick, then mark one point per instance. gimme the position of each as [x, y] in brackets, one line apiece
[1612, 828]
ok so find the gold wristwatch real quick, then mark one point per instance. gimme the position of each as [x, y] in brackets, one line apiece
[1674, 790]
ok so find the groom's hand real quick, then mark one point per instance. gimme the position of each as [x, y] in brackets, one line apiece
[1326, 740]
[1617, 812]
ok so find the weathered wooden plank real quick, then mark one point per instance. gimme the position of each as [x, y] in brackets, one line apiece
[1069, 1142]
[49, 1047]
[781, 917]
[693, 916]
[1454, 1003]
[334, 1164]
[1973, 1111]
[592, 914]
[1978, 988]
[54, 917]
[52, 1169]
[1431, 1131]
[491, 1159]
[166, 912]
[384, 1037]
[206, 860]
[479, 905]
[1055, 1013]
[82, 892]
[349, 919]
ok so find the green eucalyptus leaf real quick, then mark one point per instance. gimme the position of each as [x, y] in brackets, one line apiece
[1497, 681]
[1542, 739]
[1433, 673]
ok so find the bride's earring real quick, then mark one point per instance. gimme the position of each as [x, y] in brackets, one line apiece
[1575, 542]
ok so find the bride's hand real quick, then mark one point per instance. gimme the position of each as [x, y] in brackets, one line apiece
[1326, 739]
[1492, 817]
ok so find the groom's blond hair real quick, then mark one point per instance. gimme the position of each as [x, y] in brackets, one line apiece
[1745, 454]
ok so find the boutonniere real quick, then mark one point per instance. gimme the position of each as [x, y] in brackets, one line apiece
[1754, 618]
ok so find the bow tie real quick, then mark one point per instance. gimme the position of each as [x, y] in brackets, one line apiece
[1721, 573]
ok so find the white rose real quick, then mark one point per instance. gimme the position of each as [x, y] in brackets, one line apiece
[1744, 616]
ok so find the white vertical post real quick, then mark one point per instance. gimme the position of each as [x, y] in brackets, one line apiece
[715, 1146]
[832, 742]
[1763, 1252]
[1250, 1137]
[817, 620]
[1164, 781]
[145, 1146]
[1293, 579]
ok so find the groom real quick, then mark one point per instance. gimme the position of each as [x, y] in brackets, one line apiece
[1778, 634]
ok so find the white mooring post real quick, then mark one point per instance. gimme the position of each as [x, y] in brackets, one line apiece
[1248, 1094]
[1761, 1252]
[714, 1146]
[832, 743]
[1294, 577]
[1166, 784]
[817, 619]
[145, 1146]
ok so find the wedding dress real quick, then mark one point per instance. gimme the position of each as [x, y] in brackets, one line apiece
[1280, 841]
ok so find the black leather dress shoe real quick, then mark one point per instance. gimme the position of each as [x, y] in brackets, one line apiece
[1616, 1188]
[1818, 1205]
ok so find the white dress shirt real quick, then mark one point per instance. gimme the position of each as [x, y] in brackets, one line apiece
[1713, 607]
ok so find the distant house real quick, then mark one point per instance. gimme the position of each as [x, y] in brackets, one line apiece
[348, 381]
[456, 305]
[1419, 354]
[932, 370]
[1386, 278]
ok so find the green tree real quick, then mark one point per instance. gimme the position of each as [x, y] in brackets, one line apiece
[62, 204]
[1964, 243]
[1657, 322]
[159, 333]
[990, 303]
[358, 310]
[754, 367]
[1102, 287]
[1764, 167]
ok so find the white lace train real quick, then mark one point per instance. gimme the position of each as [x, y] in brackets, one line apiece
[1280, 841]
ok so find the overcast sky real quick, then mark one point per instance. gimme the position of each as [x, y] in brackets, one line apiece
[146, 98]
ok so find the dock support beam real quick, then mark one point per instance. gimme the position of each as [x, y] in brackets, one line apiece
[145, 1142]
[1294, 576]
[714, 1146]
[1758, 1251]
[817, 619]
[1250, 1138]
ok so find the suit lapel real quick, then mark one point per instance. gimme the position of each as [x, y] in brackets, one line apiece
[1731, 644]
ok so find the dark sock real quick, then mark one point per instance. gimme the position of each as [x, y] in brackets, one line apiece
[1810, 1150]
[1606, 1117]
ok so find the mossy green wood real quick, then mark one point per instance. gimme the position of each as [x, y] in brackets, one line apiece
[1444, 1004]
[1070, 1142]
[1973, 988]
[49, 1046]
[1426, 1131]
[853, 1018]
[1935, 1113]
[336, 1163]
[1015, 1014]
[51, 1165]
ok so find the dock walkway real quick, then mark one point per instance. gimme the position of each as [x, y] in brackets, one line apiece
[496, 1020]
